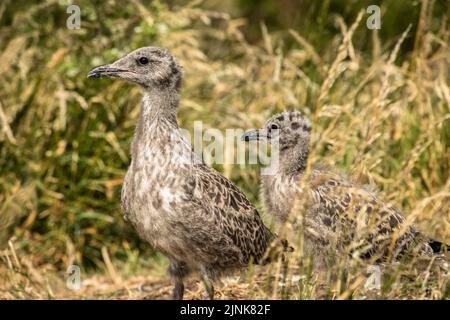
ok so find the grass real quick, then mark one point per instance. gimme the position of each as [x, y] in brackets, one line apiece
[380, 113]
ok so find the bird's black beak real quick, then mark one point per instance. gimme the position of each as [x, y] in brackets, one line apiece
[104, 71]
[254, 135]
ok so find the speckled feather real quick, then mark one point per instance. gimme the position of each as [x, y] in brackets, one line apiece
[188, 210]
[336, 212]
[196, 217]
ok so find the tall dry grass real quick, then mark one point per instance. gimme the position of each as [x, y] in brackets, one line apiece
[64, 140]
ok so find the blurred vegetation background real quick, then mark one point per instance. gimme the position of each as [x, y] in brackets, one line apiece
[379, 99]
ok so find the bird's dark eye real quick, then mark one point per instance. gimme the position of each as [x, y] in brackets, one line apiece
[274, 127]
[143, 60]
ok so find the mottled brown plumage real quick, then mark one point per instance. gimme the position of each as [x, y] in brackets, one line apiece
[196, 217]
[336, 214]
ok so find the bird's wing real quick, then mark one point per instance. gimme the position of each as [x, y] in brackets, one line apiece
[357, 217]
[235, 219]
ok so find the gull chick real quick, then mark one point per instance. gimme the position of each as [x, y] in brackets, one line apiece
[336, 212]
[189, 212]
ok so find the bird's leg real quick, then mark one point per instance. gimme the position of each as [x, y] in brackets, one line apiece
[209, 294]
[178, 271]
[178, 290]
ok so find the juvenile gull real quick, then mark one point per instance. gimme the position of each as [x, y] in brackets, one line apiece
[196, 217]
[337, 213]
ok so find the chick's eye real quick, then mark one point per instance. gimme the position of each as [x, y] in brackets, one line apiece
[274, 127]
[143, 60]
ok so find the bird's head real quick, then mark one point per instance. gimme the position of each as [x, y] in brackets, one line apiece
[290, 128]
[148, 67]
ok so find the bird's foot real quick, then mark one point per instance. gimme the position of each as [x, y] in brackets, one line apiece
[178, 291]
[206, 295]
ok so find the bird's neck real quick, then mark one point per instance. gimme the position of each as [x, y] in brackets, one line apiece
[159, 104]
[293, 161]
[279, 189]
[157, 121]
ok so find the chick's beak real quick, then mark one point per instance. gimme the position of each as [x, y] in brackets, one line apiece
[254, 135]
[104, 71]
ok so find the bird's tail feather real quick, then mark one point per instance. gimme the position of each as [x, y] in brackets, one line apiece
[438, 246]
